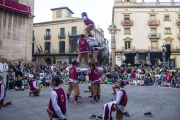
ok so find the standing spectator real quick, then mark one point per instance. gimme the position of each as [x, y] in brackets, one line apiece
[3, 69]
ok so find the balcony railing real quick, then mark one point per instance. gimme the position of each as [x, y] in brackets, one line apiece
[65, 51]
[47, 36]
[61, 36]
[153, 22]
[127, 22]
[33, 37]
[178, 35]
[178, 22]
[119, 3]
[154, 36]
[77, 33]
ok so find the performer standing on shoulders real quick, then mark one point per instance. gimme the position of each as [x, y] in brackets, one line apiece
[58, 102]
[89, 23]
[93, 42]
[83, 48]
[73, 83]
[3, 94]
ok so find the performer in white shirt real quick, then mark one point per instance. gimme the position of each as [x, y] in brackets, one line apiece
[3, 70]
[58, 105]
[118, 105]
[93, 43]
[3, 94]
[73, 83]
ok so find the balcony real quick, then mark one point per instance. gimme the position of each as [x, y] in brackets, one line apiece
[127, 22]
[178, 35]
[33, 37]
[61, 36]
[178, 22]
[155, 36]
[47, 36]
[153, 22]
[145, 4]
[78, 33]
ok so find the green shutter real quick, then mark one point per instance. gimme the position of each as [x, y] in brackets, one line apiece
[62, 32]
[73, 30]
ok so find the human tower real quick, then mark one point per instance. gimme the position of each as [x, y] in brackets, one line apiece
[57, 108]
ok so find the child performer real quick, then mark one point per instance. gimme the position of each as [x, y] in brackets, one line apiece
[83, 49]
[34, 87]
[73, 83]
[88, 22]
[3, 94]
[118, 105]
[58, 102]
[94, 77]
[93, 42]
[116, 86]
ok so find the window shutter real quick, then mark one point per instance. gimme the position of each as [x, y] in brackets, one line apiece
[73, 30]
[125, 45]
[62, 32]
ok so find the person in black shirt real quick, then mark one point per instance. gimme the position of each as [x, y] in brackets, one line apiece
[18, 84]
[19, 72]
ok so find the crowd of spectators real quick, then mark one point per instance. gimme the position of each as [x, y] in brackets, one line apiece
[20, 74]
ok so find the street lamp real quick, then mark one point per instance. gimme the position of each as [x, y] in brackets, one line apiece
[113, 30]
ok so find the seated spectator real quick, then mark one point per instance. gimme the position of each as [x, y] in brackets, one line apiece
[25, 83]
[156, 83]
[141, 82]
[109, 81]
[167, 84]
[159, 82]
[132, 75]
[163, 83]
[168, 77]
[19, 72]
[81, 78]
[47, 82]
[11, 82]
[177, 84]
[43, 81]
[173, 84]
[19, 85]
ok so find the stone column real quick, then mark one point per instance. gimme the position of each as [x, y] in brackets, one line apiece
[113, 47]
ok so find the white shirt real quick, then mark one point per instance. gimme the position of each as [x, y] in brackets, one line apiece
[34, 85]
[57, 109]
[99, 70]
[92, 41]
[2, 91]
[119, 95]
[3, 67]
[78, 70]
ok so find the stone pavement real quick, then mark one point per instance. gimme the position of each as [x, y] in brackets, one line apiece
[164, 103]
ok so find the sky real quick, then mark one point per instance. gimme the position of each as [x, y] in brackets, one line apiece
[100, 11]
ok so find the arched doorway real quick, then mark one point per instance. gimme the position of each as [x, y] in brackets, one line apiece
[48, 61]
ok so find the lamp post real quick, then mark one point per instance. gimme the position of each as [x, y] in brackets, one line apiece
[113, 30]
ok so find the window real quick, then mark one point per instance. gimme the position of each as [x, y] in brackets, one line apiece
[152, 18]
[127, 45]
[167, 30]
[33, 35]
[32, 48]
[166, 17]
[62, 32]
[73, 30]
[178, 18]
[154, 45]
[126, 17]
[127, 30]
[153, 32]
[47, 32]
[58, 14]
[62, 47]
[69, 14]
[47, 47]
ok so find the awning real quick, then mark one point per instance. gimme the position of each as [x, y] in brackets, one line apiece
[14, 6]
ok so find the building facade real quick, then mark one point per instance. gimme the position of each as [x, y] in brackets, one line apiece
[56, 41]
[16, 25]
[146, 26]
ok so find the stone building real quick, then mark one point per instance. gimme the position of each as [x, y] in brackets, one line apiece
[16, 24]
[56, 41]
[146, 26]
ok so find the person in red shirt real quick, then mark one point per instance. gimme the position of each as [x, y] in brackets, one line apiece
[168, 76]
